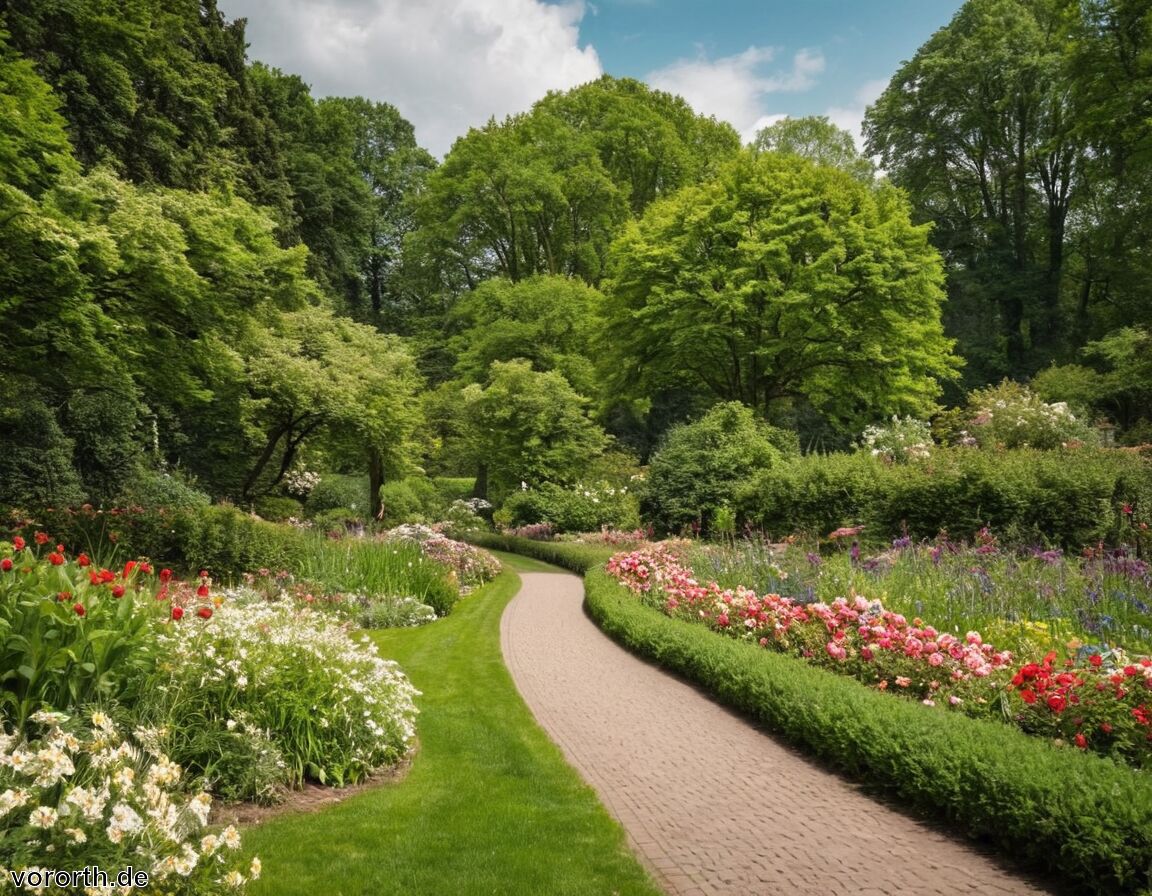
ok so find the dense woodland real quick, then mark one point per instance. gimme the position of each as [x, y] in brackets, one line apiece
[211, 280]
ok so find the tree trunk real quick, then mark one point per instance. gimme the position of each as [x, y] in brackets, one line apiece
[375, 480]
[480, 490]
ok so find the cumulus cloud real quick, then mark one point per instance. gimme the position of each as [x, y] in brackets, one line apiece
[737, 88]
[447, 65]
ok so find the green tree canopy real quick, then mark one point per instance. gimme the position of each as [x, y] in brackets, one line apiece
[547, 320]
[815, 138]
[526, 426]
[780, 281]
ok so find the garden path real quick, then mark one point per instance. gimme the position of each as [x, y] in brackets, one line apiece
[711, 804]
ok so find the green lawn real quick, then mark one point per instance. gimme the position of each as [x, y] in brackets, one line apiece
[489, 805]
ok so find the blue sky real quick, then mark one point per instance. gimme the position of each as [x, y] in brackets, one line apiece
[448, 65]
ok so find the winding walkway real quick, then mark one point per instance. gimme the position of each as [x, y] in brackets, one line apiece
[709, 803]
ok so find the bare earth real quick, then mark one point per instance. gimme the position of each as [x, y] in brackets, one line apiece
[711, 804]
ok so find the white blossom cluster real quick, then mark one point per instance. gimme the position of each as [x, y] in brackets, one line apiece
[905, 438]
[84, 790]
[268, 653]
[301, 482]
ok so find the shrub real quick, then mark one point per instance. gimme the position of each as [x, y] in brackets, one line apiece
[88, 796]
[394, 612]
[700, 465]
[288, 675]
[1067, 498]
[227, 542]
[277, 509]
[900, 441]
[36, 463]
[336, 492]
[414, 499]
[582, 508]
[1012, 416]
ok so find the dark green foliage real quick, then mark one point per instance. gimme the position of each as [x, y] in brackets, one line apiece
[227, 542]
[699, 467]
[1065, 498]
[36, 461]
[414, 498]
[1081, 817]
[336, 491]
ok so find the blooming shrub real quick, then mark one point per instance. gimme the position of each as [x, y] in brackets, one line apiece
[301, 482]
[902, 440]
[259, 677]
[472, 566]
[393, 612]
[71, 632]
[585, 507]
[1012, 416]
[532, 531]
[1103, 702]
[80, 796]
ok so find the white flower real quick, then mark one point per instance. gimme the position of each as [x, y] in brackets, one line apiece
[43, 817]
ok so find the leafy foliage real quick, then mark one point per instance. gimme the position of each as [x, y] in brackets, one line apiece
[778, 281]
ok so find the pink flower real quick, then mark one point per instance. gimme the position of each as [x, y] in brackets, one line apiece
[836, 651]
[903, 681]
[935, 659]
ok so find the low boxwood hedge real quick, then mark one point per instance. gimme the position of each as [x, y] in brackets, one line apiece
[1083, 817]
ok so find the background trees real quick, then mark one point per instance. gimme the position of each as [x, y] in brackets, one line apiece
[780, 281]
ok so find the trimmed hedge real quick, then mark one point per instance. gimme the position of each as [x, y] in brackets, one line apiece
[1067, 498]
[1084, 817]
[575, 557]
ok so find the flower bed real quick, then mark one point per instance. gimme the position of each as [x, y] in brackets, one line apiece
[1103, 703]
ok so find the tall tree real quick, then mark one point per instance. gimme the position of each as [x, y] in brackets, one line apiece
[777, 282]
[977, 128]
[394, 168]
[815, 138]
[650, 142]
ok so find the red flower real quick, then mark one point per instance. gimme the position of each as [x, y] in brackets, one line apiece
[60, 548]
[165, 575]
[1096, 660]
[18, 543]
[203, 573]
[128, 567]
[1127, 509]
[204, 612]
[202, 591]
[162, 594]
[83, 560]
[64, 596]
[6, 565]
[1056, 703]
[145, 568]
[1081, 741]
[94, 578]
[79, 608]
[1028, 696]
[117, 590]
[56, 559]
[42, 538]
[177, 612]
[1106, 727]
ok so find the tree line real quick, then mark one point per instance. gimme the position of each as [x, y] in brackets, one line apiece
[209, 275]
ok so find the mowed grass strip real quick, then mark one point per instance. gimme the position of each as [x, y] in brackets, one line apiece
[489, 806]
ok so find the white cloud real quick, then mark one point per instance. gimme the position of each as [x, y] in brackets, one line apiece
[735, 88]
[851, 117]
[447, 65]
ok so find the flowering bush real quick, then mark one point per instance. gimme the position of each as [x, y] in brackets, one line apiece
[300, 483]
[81, 796]
[393, 612]
[1103, 702]
[472, 566]
[585, 507]
[532, 531]
[71, 632]
[276, 682]
[855, 635]
[902, 440]
[1012, 416]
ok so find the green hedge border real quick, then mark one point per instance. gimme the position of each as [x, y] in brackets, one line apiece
[1082, 817]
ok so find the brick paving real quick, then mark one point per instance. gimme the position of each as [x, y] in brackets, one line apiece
[711, 804]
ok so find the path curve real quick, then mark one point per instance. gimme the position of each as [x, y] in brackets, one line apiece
[709, 803]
